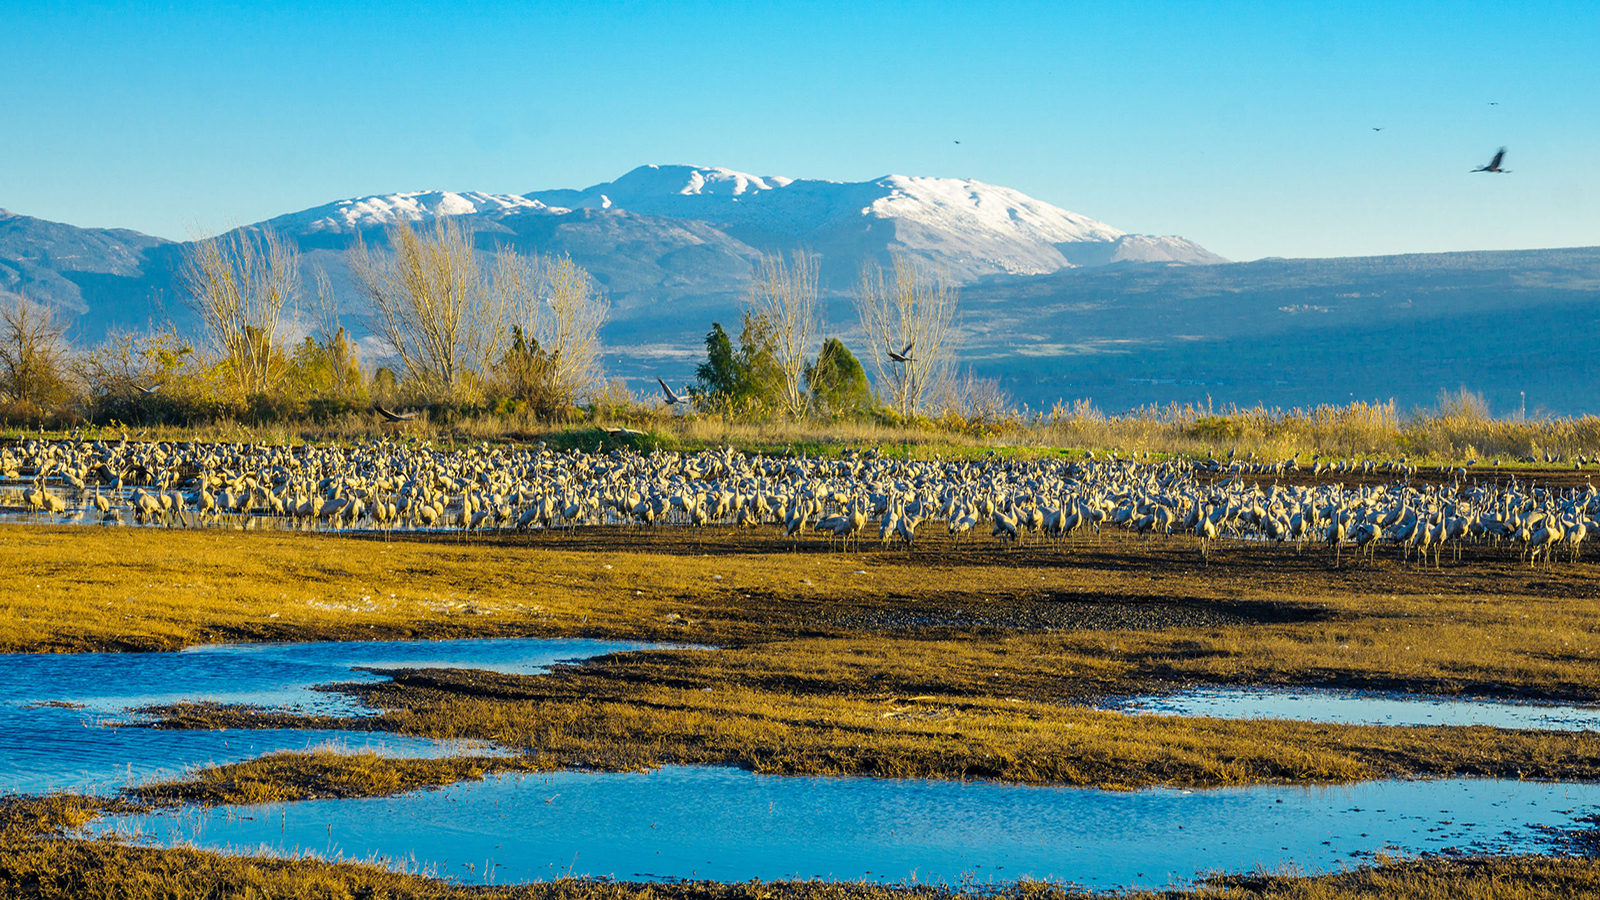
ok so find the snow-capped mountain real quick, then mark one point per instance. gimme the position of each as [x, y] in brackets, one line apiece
[971, 228]
[675, 248]
[345, 216]
[968, 228]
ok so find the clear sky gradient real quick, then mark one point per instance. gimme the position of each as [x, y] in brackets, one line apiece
[1247, 127]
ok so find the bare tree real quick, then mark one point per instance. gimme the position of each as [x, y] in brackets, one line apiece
[431, 301]
[909, 312]
[337, 347]
[33, 353]
[239, 285]
[784, 293]
[977, 400]
[558, 303]
[130, 365]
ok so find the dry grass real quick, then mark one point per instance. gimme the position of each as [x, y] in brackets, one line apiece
[1456, 430]
[282, 777]
[749, 708]
[1092, 618]
[956, 660]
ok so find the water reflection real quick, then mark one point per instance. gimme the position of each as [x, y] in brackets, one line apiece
[1360, 708]
[57, 711]
[731, 825]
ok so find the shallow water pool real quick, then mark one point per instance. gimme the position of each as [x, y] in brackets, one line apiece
[731, 825]
[59, 712]
[1364, 708]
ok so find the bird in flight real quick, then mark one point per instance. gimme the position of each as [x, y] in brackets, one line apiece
[958, 142]
[392, 416]
[903, 355]
[1494, 102]
[1376, 128]
[1494, 164]
[672, 399]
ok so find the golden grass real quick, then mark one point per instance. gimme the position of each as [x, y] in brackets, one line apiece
[1129, 612]
[322, 774]
[931, 664]
[1457, 430]
[620, 716]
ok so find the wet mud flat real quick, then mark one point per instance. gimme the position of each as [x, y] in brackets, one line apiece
[962, 658]
[1068, 611]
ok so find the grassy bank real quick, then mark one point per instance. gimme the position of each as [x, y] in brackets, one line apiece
[955, 660]
[1090, 618]
[593, 720]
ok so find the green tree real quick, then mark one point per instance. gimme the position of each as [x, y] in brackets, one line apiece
[837, 382]
[747, 381]
[533, 376]
[327, 369]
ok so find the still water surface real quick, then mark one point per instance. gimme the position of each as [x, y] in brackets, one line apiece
[728, 824]
[58, 710]
[1364, 708]
[731, 825]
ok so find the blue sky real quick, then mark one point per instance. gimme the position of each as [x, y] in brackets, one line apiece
[1244, 126]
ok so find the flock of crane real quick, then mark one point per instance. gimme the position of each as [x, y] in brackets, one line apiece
[388, 484]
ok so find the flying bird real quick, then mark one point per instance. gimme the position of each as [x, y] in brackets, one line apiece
[903, 355]
[1494, 164]
[672, 399]
[148, 390]
[1376, 128]
[392, 416]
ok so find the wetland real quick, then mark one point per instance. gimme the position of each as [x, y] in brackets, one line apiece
[955, 683]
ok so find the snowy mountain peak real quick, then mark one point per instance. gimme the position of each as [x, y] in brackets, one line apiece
[411, 206]
[968, 204]
[972, 227]
[649, 186]
[968, 228]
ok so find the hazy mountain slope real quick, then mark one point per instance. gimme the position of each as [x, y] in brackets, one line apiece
[1103, 314]
[640, 261]
[1300, 332]
[112, 273]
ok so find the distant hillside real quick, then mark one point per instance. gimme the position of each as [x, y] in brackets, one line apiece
[673, 245]
[1055, 305]
[1301, 332]
[106, 275]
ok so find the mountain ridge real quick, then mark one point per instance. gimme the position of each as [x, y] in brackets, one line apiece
[1113, 316]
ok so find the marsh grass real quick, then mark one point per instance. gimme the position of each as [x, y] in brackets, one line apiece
[323, 774]
[1457, 429]
[1088, 619]
[619, 716]
[955, 660]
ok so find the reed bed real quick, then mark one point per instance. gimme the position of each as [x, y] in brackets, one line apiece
[1457, 430]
